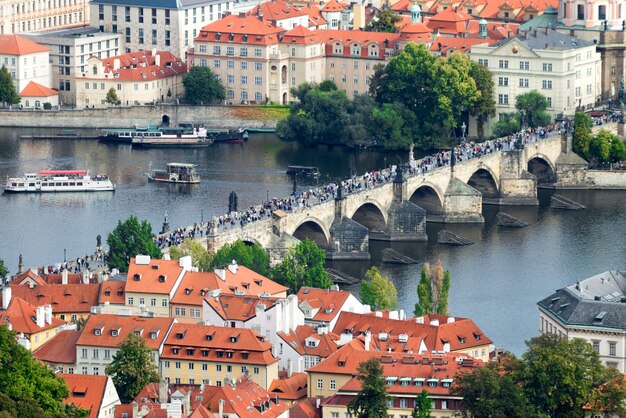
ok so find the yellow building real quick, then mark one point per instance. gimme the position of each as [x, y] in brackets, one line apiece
[34, 325]
[195, 354]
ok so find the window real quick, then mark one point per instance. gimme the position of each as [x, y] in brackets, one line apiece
[177, 365]
[581, 12]
[523, 82]
[217, 50]
[503, 81]
[333, 384]
[258, 52]
[258, 81]
[577, 91]
[84, 353]
[403, 403]
[142, 301]
[243, 65]
[444, 404]
[84, 370]
[163, 302]
[602, 12]
[230, 79]
[546, 84]
[549, 100]
[95, 353]
[258, 66]
[320, 384]
[218, 367]
[503, 99]
[596, 346]
[205, 367]
[230, 64]
[96, 371]
[503, 63]
[153, 300]
[190, 365]
[255, 370]
[547, 67]
[612, 349]
[230, 50]
[483, 61]
[130, 299]
[588, 88]
[524, 65]
[243, 52]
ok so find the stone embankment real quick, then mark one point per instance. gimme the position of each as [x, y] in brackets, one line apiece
[125, 117]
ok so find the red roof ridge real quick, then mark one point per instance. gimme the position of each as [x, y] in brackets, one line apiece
[18, 45]
[34, 89]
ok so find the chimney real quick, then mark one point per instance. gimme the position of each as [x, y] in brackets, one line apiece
[135, 410]
[317, 403]
[187, 403]
[220, 412]
[221, 273]
[6, 297]
[185, 262]
[233, 267]
[116, 64]
[368, 340]
[450, 320]
[536, 33]
[157, 59]
[64, 275]
[41, 320]
[289, 367]
[153, 52]
[163, 391]
[527, 35]
[402, 315]
[48, 314]
[86, 276]
[434, 322]
[547, 31]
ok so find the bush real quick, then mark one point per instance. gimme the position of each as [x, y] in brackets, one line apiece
[47, 106]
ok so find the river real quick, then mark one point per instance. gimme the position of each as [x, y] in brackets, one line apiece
[496, 281]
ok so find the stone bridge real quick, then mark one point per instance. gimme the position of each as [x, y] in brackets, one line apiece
[398, 210]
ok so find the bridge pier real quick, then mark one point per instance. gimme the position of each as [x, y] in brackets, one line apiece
[462, 203]
[517, 186]
[349, 240]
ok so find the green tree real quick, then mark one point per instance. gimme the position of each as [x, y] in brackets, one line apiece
[132, 368]
[488, 392]
[3, 270]
[202, 86]
[507, 125]
[532, 107]
[29, 388]
[560, 376]
[112, 96]
[485, 106]
[582, 134]
[252, 256]
[327, 85]
[432, 291]
[8, 94]
[371, 401]
[303, 265]
[378, 291]
[200, 257]
[384, 21]
[129, 239]
[600, 146]
[423, 406]
[618, 150]
[393, 126]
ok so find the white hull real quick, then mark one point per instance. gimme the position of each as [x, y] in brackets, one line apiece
[96, 187]
[33, 183]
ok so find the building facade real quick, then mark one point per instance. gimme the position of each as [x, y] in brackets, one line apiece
[25, 60]
[167, 25]
[42, 15]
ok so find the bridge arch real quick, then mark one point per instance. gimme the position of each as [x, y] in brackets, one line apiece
[427, 197]
[249, 241]
[371, 216]
[542, 168]
[484, 180]
[315, 230]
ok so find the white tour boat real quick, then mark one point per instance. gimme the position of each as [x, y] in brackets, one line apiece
[59, 181]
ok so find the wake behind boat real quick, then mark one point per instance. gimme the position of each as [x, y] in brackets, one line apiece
[175, 173]
[59, 181]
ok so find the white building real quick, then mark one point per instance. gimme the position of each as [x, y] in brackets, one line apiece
[593, 309]
[323, 306]
[304, 347]
[565, 69]
[166, 25]
[69, 51]
[26, 61]
[24, 16]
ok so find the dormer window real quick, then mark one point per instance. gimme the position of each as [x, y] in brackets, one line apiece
[245, 355]
[234, 338]
[115, 332]
[188, 291]
[461, 340]
[231, 37]
[205, 353]
[229, 354]
[202, 292]
[209, 337]
[245, 38]
[259, 282]
[219, 354]
[120, 293]
[95, 70]
[175, 350]
[107, 293]
[180, 335]
[162, 278]
[190, 351]
[98, 332]
[136, 277]
[218, 36]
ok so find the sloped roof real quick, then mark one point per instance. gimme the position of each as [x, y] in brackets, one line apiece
[148, 278]
[296, 339]
[123, 325]
[34, 89]
[64, 298]
[329, 301]
[86, 391]
[290, 388]
[301, 35]
[238, 307]
[23, 317]
[332, 6]
[548, 19]
[244, 29]
[60, 349]
[18, 45]
[112, 291]
[276, 10]
[306, 408]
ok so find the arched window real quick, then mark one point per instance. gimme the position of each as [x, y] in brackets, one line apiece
[95, 70]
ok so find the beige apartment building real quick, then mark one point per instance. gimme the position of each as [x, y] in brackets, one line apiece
[169, 25]
[42, 15]
[142, 77]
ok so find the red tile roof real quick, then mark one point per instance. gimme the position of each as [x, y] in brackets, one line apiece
[86, 391]
[450, 21]
[306, 408]
[301, 35]
[347, 37]
[325, 344]
[158, 276]
[204, 342]
[23, 317]
[238, 307]
[33, 89]
[108, 325]
[64, 298]
[60, 349]
[243, 29]
[446, 46]
[329, 301]
[142, 66]
[17, 45]
[276, 10]
[290, 388]
[201, 412]
[315, 15]
[332, 6]
[112, 291]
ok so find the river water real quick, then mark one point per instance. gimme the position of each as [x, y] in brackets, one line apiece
[496, 281]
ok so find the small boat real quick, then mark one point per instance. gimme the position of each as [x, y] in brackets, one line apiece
[260, 130]
[125, 136]
[180, 137]
[175, 173]
[301, 170]
[64, 134]
[59, 181]
[232, 136]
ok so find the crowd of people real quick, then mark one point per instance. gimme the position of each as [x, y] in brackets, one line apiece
[305, 199]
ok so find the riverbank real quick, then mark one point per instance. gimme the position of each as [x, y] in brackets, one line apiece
[230, 117]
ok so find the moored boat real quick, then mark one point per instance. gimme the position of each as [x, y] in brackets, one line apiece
[295, 170]
[63, 134]
[175, 173]
[59, 181]
[229, 136]
[126, 136]
[174, 138]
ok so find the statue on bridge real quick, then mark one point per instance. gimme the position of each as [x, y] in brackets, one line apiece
[232, 202]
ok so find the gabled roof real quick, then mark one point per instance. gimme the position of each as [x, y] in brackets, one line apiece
[362, 37]
[103, 330]
[23, 317]
[140, 66]
[112, 291]
[201, 412]
[290, 388]
[332, 6]
[158, 276]
[306, 408]
[18, 45]
[315, 15]
[301, 35]
[86, 391]
[238, 307]
[276, 10]
[60, 349]
[64, 298]
[246, 28]
[296, 339]
[445, 45]
[329, 301]
[34, 89]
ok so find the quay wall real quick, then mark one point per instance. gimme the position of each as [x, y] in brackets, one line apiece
[125, 117]
[607, 179]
